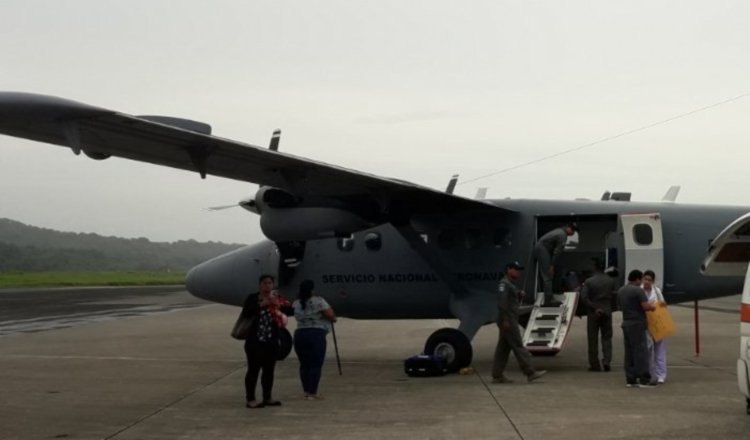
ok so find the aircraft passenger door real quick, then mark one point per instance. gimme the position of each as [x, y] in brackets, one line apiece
[643, 244]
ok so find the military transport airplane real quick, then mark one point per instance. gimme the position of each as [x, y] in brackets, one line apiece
[382, 248]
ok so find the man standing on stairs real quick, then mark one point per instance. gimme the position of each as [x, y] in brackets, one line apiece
[510, 335]
[546, 252]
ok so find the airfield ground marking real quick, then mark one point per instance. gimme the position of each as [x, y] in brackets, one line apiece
[497, 402]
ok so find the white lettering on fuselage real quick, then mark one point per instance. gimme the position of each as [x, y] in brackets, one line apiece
[408, 277]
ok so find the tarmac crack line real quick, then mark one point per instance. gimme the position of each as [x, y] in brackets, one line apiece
[499, 405]
[172, 403]
[710, 367]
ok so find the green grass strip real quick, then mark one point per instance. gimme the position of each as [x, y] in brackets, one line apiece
[86, 278]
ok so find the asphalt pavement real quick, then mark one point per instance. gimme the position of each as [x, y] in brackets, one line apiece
[156, 363]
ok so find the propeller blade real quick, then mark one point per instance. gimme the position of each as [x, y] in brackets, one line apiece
[219, 208]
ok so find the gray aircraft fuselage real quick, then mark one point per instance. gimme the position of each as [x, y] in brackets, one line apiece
[378, 274]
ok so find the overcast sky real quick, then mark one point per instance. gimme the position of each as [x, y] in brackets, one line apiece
[417, 90]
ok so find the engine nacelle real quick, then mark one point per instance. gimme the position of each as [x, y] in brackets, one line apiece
[266, 198]
[96, 155]
[309, 223]
[282, 219]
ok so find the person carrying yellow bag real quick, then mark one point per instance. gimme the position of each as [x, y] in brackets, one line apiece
[660, 326]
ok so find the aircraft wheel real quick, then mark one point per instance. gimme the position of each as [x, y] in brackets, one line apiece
[285, 344]
[451, 345]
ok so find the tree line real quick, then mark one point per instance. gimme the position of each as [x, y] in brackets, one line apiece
[33, 249]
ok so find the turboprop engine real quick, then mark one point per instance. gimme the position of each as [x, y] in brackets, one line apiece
[283, 218]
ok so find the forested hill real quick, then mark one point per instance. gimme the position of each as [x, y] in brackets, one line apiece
[33, 249]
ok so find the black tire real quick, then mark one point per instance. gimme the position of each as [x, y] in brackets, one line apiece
[451, 345]
[285, 344]
[748, 406]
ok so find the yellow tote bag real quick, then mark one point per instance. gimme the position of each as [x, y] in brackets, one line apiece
[660, 323]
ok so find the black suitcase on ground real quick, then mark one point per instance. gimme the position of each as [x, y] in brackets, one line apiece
[423, 365]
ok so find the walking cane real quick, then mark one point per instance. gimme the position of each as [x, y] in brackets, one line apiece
[336, 347]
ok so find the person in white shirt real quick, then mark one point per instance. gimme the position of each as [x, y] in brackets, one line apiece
[314, 317]
[657, 349]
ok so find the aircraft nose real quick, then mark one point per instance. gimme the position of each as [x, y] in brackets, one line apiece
[229, 278]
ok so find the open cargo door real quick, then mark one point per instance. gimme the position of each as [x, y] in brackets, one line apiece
[728, 255]
[644, 245]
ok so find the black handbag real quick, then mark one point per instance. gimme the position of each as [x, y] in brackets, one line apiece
[241, 327]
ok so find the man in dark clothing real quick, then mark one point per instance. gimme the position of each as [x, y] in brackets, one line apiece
[597, 295]
[510, 335]
[633, 303]
[546, 252]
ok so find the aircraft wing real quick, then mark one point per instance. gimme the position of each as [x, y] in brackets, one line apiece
[101, 133]
[729, 252]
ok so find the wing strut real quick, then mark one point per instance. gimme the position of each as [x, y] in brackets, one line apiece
[420, 247]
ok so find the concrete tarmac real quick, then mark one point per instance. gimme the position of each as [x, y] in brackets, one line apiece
[159, 364]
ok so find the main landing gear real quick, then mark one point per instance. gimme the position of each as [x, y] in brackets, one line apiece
[451, 345]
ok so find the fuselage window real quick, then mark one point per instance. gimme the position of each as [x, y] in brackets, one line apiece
[502, 238]
[446, 239]
[345, 244]
[373, 241]
[643, 234]
[473, 239]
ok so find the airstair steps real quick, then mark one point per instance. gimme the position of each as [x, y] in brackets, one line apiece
[548, 326]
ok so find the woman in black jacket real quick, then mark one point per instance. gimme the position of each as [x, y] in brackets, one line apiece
[264, 308]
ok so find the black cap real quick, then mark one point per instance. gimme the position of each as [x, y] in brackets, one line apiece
[573, 226]
[514, 265]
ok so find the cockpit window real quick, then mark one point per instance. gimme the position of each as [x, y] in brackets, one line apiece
[373, 241]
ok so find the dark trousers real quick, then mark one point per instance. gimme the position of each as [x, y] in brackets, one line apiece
[310, 346]
[594, 325]
[260, 356]
[510, 340]
[543, 261]
[636, 353]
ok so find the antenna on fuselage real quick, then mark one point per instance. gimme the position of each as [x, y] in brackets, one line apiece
[671, 194]
[452, 184]
[481, 193]
[275, 138]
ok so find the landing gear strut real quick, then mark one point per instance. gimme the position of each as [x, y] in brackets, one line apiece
[451, 345]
